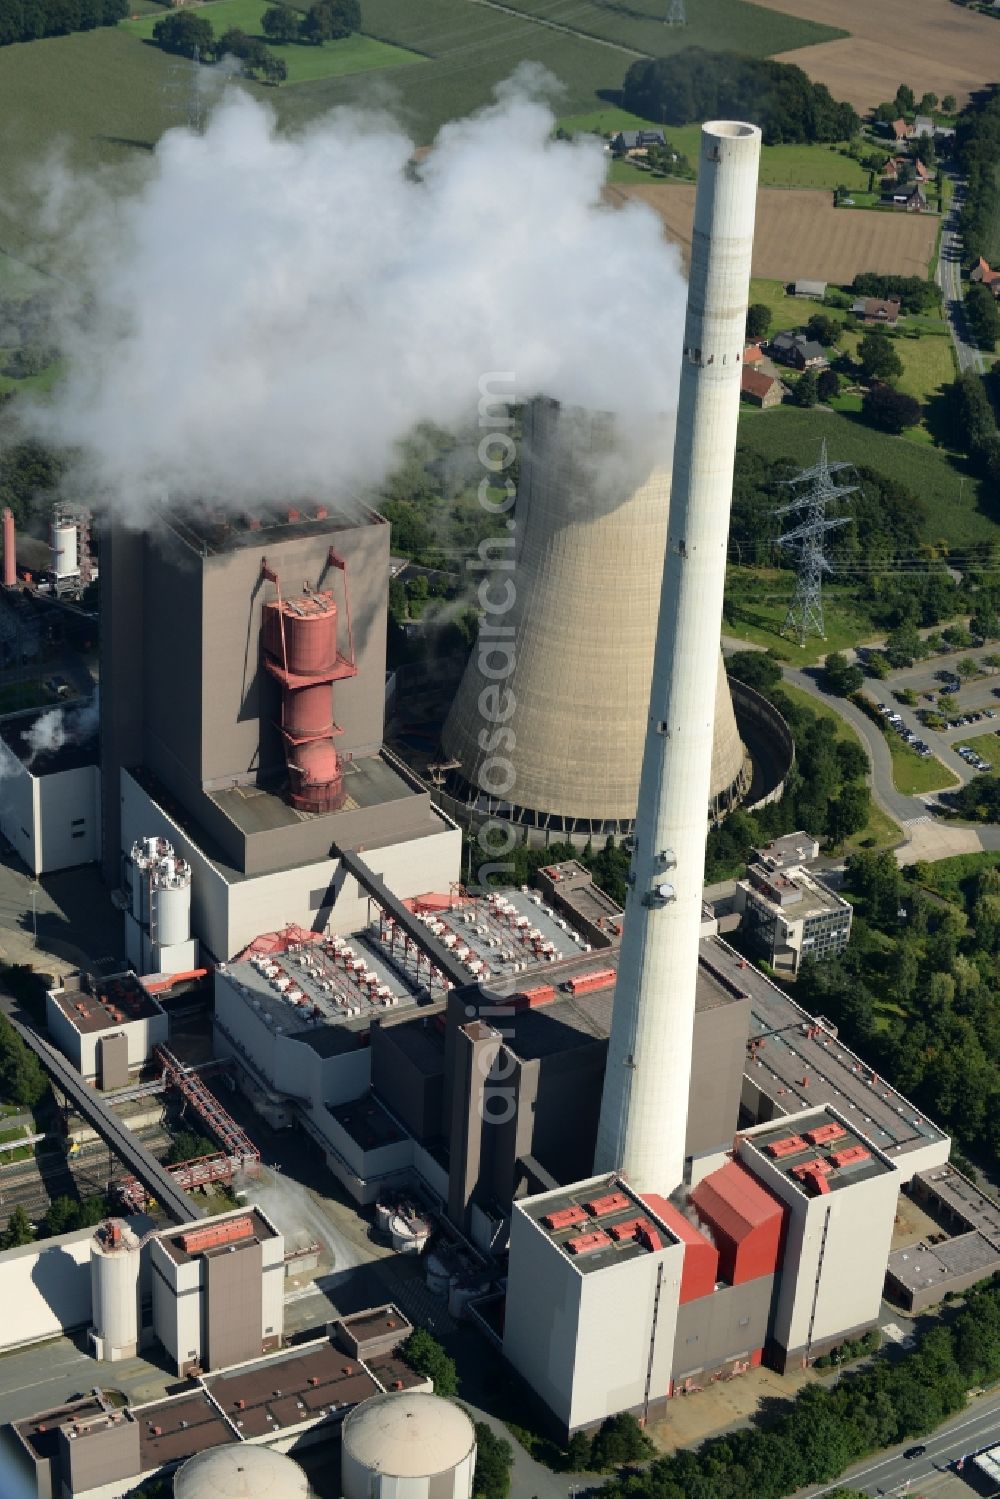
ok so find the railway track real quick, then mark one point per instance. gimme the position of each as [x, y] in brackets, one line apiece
[82, 1175]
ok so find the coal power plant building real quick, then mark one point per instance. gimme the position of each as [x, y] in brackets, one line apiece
[243, 662]
[582, 575]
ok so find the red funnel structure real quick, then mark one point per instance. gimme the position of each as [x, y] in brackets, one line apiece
[9, 549]
[300, 650]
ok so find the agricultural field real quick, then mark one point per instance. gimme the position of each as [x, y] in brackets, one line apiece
[355, 54]
[753, 30]
[953, 499]
[933, 46]
[801, 234]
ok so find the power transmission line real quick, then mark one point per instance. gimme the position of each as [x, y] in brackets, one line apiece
[805, 541]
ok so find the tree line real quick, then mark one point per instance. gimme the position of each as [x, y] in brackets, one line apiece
[28, 20]
[977, 150]
[188, 35]
[695, 84]
[826, 1429]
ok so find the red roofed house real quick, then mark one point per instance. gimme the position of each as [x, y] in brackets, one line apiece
[753, 354]
[746, 1221]
[983, 276]
[901, 131]
[760, 389]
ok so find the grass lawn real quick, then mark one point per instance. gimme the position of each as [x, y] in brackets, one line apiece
[757, 613]
[928, 362]
[819, 166]
[355, 54]
[787, 311]
[730, 25]
[43, 381]
[954, 516]
[912, 775]
[987, 747]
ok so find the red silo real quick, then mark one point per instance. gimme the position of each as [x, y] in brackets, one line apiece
[300, 650]
[9, 549]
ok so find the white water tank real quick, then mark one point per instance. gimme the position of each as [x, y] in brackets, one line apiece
[65, 551]
[407, 1446]
[170, 901]
[240, 1472]
[114, 1282]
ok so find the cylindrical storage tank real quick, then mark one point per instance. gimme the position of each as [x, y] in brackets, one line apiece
[65, 561]
[407, 1446]
[170, 902]
[240, 1472]
[437, 1275]
[308, 711]
[114, 1280]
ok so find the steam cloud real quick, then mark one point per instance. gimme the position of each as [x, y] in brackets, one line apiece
[61, 726]
[266, 317]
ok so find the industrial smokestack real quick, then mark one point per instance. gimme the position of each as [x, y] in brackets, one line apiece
[644, 1107]
[9, 549]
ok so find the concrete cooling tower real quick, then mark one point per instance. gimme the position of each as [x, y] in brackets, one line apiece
[573, 646]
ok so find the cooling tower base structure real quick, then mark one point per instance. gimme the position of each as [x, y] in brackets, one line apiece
[547, 727]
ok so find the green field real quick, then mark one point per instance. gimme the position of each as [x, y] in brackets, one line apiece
[355, 54]
[718, 25]
[987, 747]
[913, 775]
[954, 516]
[757, 615]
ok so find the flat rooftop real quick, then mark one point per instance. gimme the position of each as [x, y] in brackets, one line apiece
[575, 888]
[40, 1434]
[212, 535]
[178, 1427]
[794, 892]
[115, 1002]
[800, 1064]
[598, 1223]
[792, 848]
[924, 1266]
[290, 1389]
[379, 1322]
[963, 1200]
[394, 1373]
[368, 781]
[818, 1154]
[74, 723]
[367, 1123]
[173, 1242]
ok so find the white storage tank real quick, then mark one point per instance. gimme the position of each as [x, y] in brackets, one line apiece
[408, 1446]
[65, 550]
[170, 901]
[241, 1472]
[114, 1281]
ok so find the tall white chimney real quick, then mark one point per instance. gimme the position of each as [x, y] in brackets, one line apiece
[644, 1107]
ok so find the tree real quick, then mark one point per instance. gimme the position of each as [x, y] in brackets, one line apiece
[758, 320]
[494, 1459]
[889, 409]
[982, 316]
[280, 23]
[182, 31]
[948, 104]
[878, 358]
[18, 1231]
[968, 667]
[619, 1440]
[22, 1080]
[849, 812]
[827, 384]
[824, 329]
[425, 1354]
[853, 759]
[841, 676]
[903, 645]
[948, 704]
[928, 104]
[578, 1452]
[274, 69]
[758, 669]
[188, 1145]
[331, 20]
[806, 391]
[904, 100]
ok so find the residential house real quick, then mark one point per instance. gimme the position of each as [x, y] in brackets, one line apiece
[801, 352]
[908, 196]
[813, 289]
[923, 126]
[900, 130]
[636, 142]
[760, 389]
[921, 172]
[752, 354]
[983, 276]
[877, 310]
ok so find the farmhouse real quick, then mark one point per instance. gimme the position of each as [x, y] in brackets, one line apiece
[813, 289]
[923, 126]
[877, 310]
[761, 390]
[983, 276]
[752, 354]
[636, 142]
[901, 131]
[910, 197]
[799, 351]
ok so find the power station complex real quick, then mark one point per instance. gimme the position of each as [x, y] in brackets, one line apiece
[661, 1169]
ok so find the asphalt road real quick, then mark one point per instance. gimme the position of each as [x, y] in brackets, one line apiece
[974, 1428]
[949, 278]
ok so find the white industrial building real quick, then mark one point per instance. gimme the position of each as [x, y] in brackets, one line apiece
[50, 809]
[592, 1294]
[229, 907]
[107, 1028]
[790, 915]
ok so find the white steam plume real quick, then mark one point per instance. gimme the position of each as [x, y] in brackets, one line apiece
[61, 726]
[267, 316]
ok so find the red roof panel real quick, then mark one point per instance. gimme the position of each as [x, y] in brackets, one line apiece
[735, 1200]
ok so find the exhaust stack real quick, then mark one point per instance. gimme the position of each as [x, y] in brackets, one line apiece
[644, 1107]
